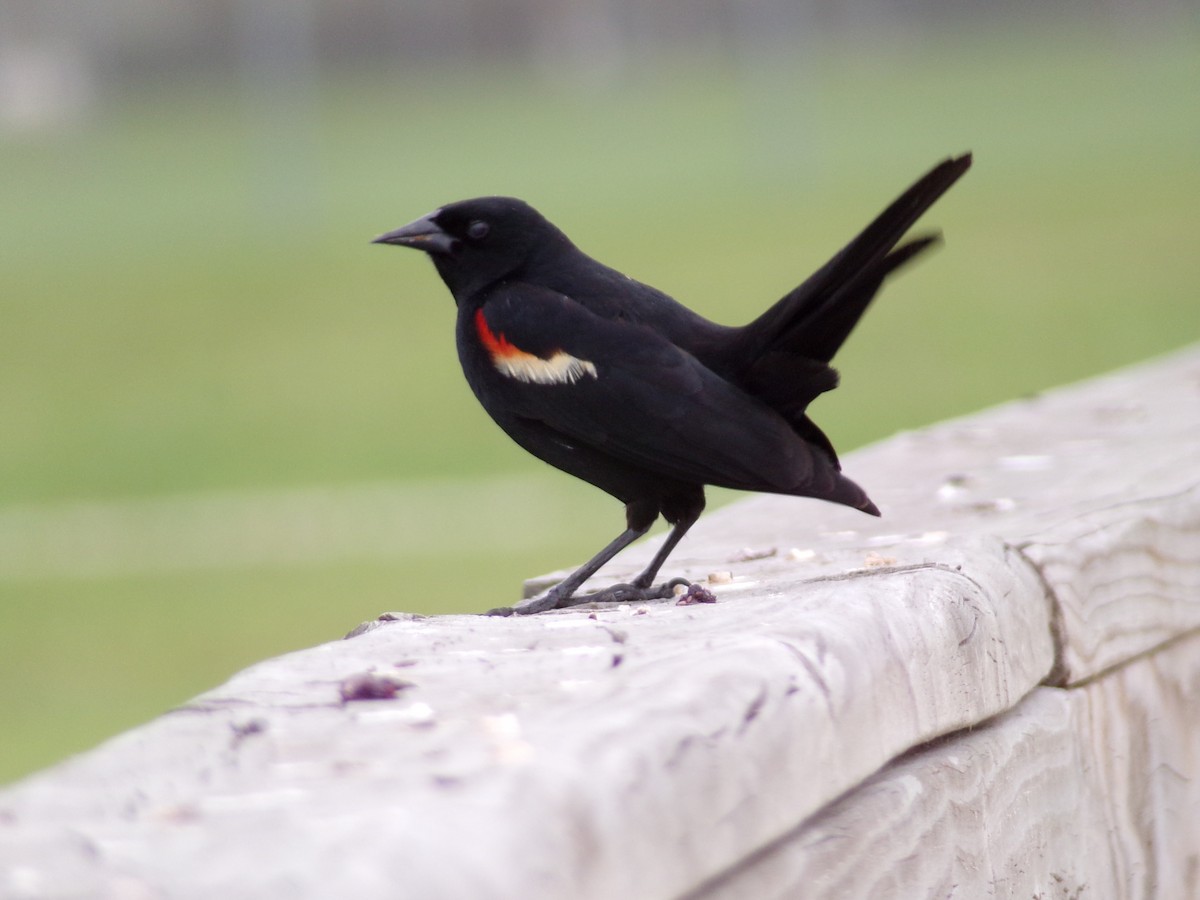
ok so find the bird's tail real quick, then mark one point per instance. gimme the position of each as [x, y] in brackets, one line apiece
[814, 319]
[783, 356]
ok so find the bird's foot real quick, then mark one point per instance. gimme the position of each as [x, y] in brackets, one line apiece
[617, 593]
[633, 593]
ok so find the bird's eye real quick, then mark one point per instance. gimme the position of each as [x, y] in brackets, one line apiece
[478, 230]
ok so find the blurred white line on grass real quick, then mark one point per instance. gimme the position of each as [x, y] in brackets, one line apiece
[313, 525]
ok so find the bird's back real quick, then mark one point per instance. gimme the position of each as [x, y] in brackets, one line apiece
[615, 296]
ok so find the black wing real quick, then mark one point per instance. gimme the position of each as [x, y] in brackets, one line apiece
[625, 391]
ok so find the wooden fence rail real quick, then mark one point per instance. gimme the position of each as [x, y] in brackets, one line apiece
[994, 691]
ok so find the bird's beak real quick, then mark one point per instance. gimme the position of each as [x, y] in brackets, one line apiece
[423, 234]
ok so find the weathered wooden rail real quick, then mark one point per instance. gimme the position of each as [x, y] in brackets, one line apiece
[994, 691]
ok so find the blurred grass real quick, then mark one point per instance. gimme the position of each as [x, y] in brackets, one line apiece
[189, 301]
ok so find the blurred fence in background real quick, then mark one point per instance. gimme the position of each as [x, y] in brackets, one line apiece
[59, 58]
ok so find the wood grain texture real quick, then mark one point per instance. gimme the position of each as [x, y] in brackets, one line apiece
[633, 753]
[1126, 579]
[550, 758]
[1085, 794]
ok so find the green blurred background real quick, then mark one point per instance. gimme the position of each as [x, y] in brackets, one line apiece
[230, 427]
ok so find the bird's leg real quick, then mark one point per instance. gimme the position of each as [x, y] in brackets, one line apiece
[640, 588]
[562, 594]
[681, 510]
[647, 577]
[682, 514]
[639, 516]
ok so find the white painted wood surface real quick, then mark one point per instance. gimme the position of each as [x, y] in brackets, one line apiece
[863, 714]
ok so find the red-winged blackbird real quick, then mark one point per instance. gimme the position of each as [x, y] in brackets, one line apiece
[620, 385]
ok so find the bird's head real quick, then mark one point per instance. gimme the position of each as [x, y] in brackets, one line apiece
[476, 243]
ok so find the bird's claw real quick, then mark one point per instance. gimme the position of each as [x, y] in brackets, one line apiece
[632, 593]
[617, 593]
[531, 605]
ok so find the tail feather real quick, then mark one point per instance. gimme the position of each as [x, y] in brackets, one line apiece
[783, 356]
[814, 319]
[819, 333]
[848, 493]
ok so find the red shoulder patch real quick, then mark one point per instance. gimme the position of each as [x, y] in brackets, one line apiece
[493, 344]
[510, 360]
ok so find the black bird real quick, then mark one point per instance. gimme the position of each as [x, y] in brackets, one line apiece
[620, 385]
